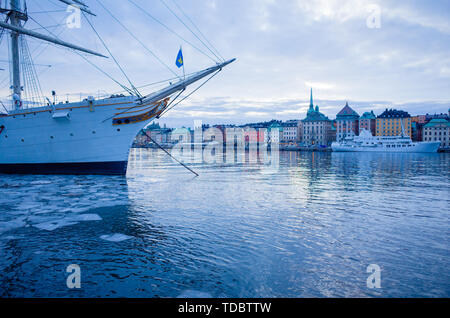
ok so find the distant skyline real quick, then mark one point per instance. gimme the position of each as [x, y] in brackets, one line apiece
[291, 110]
[283, 48]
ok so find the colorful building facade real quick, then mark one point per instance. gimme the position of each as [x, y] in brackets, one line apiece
[393, 122]
[347, 121]
[368, 121]
[437, 130]
[316, 127]
[290, 132]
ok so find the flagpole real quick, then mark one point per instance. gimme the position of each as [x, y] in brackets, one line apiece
[184, 73]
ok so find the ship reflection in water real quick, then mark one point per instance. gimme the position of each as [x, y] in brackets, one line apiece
[310, 229]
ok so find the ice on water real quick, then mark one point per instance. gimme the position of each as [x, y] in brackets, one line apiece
[117, 237]
[51, 202]
[53, 225]
[12, 224]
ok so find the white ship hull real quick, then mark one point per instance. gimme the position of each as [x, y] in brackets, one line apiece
[423, 147]
[79, 138]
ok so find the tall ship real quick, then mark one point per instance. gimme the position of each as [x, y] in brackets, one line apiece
[365, 142]
[91, 136]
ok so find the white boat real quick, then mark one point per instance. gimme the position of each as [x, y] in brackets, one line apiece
[92, 136]
[365, 142]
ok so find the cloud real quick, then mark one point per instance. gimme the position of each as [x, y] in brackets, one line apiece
[337, 10]
[320, 85]
[341, 11]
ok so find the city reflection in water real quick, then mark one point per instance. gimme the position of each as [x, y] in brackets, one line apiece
[306, 227]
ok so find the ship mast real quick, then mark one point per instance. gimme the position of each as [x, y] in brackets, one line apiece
[15, 22]
[15, 26]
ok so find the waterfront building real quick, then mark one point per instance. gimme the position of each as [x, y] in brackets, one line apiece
[416, 131]
[290, 131]
[437, 116]
[222, 129]
[275, 132]
[261, 131]
[333, 131]
[155, 132]
[181, 135]
[420, 119]
[391, 121]
[254, 134]
[368, 121]
[141, 139]
[437, 130]
[316, 127]
[347, 123]
[159, 134]
[299, 131]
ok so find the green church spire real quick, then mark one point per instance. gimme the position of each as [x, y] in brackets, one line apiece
[311, 103]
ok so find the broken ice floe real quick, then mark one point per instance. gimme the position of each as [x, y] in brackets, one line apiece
[67, 221]
[117, 237]
[11, 225]
[53, 225]
[87, 217]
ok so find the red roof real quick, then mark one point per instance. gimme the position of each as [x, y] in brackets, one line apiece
[347, 111]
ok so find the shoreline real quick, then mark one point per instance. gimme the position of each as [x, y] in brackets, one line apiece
[284, 149]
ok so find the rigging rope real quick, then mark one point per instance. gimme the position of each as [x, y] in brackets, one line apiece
[32, 86]
[50, 26]
[159, 82]
[83, 57]
[190, 94]
[170, 155]
[2, 32]
[170, 30]
[140, 42]
[47, 44]
[195, 26]
[187, 27]
[117, 63]
[52, 11]
[173, 100]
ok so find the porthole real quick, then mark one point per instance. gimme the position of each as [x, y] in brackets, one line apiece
[71, 134]
[127, 121]
[93, 132]
[118, 129]
[51, 137]
[22, 140]
[119, 122]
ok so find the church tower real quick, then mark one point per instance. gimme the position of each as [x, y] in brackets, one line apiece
[311, 103]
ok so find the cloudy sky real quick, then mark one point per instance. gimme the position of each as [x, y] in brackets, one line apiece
[373, 53]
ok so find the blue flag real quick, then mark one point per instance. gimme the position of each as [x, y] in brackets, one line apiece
[180, 60]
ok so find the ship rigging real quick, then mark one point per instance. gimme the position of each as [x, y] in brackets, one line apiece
[25, 87]
[92, 136]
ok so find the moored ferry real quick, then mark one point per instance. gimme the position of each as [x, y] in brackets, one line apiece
[365, 142]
